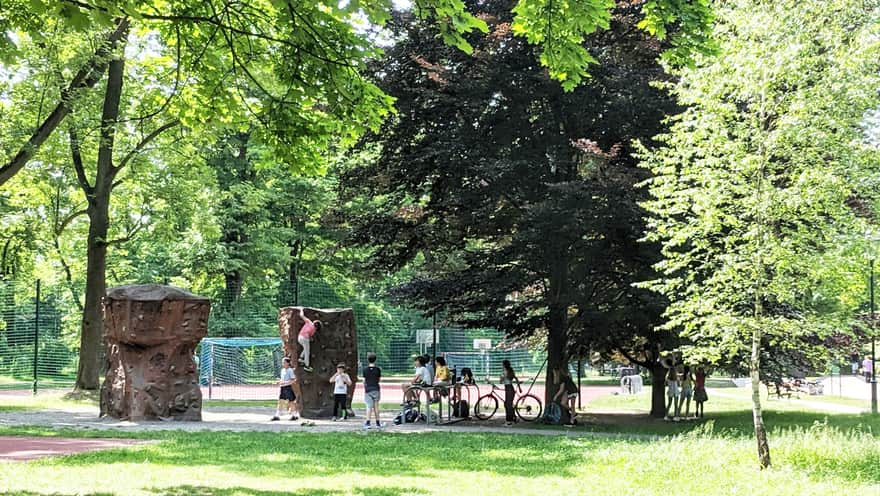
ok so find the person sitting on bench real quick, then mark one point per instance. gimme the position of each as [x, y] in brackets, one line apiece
[420, 380]
[441, 376]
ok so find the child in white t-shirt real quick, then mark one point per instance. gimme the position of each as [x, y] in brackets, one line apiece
[341, 381]
[286, 380]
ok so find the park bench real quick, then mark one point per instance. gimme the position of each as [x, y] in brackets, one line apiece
[780, 389]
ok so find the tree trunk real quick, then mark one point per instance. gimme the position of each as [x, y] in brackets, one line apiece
[557, 330]
[92, 322]
[658, 390]
[754, 373]
[87, 377]
[233, 288]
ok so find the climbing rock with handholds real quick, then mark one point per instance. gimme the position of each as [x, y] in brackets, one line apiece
[150, 335]
[334, 343]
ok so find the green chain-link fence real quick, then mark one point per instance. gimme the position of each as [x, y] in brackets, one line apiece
[34, 349]
[395, 334]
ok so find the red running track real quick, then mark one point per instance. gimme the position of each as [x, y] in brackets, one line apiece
[391, 392]
[28, 448]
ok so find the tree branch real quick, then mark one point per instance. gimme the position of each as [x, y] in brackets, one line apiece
[640, 363]
[67, 220]
[87, 77]
[146, 141]
[76, 157]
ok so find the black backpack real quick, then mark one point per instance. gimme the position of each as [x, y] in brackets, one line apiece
[460, 409]
[408, 415]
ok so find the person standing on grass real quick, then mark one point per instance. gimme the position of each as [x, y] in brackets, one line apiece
[867, 367]
[570, 390]
[700, 395]
[372, 375]
[304, 338]
[286, 395]
[672, 393]
[508, 378]
[687, 391]
[341, 381]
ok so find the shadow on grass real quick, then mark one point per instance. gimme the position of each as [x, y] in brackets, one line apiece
[737, 423]
[187, 490]
[387, 455]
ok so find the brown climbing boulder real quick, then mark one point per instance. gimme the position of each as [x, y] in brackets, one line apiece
[335, 343]
[150, 335]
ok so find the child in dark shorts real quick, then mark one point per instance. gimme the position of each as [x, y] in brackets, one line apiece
[286, 395]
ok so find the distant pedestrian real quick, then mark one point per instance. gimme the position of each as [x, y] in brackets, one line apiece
[687, 391]
[304, 338]
[341, 381]
[868, 368]
[672, 393]
[508, 379]
[286, 395]
[372, 375]
[700, 395]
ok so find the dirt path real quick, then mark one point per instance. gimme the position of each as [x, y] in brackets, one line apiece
[250, 418]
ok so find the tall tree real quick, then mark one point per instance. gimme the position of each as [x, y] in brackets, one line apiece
[318, 41]
[512, 198]
[755, 181]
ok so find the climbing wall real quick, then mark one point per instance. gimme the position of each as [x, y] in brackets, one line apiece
[150, 334]
[335, 343]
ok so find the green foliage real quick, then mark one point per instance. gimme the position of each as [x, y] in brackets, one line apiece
[754, 188]
[685, 24]
[506, 202]
[560, 27]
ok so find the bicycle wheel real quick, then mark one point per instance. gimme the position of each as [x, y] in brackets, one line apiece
[486, 406]
[528, 408]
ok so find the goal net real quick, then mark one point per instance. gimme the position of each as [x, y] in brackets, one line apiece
[239, 368]
[487, 363]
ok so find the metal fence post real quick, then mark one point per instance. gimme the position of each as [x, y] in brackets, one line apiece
[580, 373]
[36, 334]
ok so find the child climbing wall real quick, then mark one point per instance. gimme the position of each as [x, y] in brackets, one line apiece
[334, 343]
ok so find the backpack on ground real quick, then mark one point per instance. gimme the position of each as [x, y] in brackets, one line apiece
[408, 415]
[553, 415]
[460, 409]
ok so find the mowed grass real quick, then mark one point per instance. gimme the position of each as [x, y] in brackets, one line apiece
[729, 411]
[43, 401]
[819, 460]
[814, 453]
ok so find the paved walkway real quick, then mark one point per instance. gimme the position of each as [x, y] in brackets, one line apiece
[813, 405]
[848, 386]
[257, 419]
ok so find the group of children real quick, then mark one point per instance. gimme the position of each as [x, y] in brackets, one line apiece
[426, 377]
[341, 382]
[681, 386]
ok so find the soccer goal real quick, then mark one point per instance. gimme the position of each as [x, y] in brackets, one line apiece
[239, 368]
[486, 363]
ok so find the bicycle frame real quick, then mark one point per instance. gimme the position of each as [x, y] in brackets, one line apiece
[535, 379]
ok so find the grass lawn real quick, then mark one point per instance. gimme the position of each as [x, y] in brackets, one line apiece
[814, 453]
[44, 401]
[817, 461]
